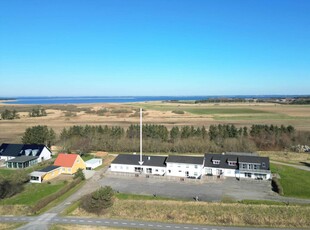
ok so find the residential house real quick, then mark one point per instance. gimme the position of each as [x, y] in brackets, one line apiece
[129, 163]
[185, 166]
[45, 174]
[69, 163]
[11, 151]
[240, 165]
[220, 165]
[253, 167]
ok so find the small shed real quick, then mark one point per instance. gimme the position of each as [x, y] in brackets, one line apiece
[93, 163]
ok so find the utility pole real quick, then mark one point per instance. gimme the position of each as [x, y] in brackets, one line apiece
[140, 162]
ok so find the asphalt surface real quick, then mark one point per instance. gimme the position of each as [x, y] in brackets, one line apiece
[207, 190]
[51, 218]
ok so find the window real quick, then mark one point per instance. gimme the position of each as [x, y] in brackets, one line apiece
[195, 174]
[69, 170]
[78, 161]
[156, 170]
[180, 171]
[169, 171]
[263, 165]
[196, 166]
[216, 162]
[256, 166]
[232, 163]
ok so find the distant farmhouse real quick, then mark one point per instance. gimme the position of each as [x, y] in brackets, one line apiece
[22, 156]
[238, 165]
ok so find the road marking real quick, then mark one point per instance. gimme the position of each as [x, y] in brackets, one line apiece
[98, 221]
[167, 226]
[151, 225]
[115, 222]
[124, 223]
[72, 220]
[176, 227]
[90, 221]
[56, 219]
[81, 220]
[186, 227]
[195, 228]
[107, 222]
[159, 226]
[141, 224]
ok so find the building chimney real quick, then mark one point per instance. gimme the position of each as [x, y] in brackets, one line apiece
[149, 158]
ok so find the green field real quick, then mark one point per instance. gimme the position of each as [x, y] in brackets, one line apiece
[205, 110]
[33, 193]
[295, 182]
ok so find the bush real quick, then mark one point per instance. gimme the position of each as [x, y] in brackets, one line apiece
[178, 112]
[99, 201]
[79, 174]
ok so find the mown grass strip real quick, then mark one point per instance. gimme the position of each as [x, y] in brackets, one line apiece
[295, 182]
[33, 193]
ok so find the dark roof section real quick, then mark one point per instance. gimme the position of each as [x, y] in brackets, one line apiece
[242, 153]
[223, 161]
[49, 168]
[15, 150]
[225, 158]
[185, 160]
[23, 159]
[263, 161]
[131, 159]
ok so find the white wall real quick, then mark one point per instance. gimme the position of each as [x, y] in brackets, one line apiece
[266, 176]
[95, 164]
[180, 169]
[131, 169]
[46, 154]
[6, 158]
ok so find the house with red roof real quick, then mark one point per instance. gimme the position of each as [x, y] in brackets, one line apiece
[69, 163]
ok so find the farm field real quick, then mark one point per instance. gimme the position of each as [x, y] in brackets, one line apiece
[60, 116]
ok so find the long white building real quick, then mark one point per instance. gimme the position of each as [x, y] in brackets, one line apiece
[227, 165]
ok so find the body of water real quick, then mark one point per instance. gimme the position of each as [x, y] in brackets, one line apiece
[87, 100]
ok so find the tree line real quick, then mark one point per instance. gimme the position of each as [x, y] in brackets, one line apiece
[158, 138]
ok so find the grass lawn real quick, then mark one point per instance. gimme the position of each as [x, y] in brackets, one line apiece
[6, 172]
[33, 193]
[295, 182]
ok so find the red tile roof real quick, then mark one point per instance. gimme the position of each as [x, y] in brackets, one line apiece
[65, 160]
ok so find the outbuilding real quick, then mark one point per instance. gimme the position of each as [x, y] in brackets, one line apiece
[93, 163]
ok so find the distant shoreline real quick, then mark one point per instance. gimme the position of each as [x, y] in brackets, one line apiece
[135, 99]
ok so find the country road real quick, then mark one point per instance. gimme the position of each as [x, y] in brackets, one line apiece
[115, 223]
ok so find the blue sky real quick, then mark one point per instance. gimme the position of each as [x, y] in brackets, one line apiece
[154, 47]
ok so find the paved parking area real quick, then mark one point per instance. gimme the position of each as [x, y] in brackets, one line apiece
[216, 190]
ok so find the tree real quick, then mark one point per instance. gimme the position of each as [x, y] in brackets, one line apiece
[98, 201]
[39, 135]
[79, 174]
[9, 115]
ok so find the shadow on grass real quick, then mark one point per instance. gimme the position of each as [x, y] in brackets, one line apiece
[305, 163]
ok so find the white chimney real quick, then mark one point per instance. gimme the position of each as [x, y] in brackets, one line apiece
[149, 158]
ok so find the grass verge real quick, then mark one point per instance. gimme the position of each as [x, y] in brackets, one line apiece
[295, 182]
[10, 226]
